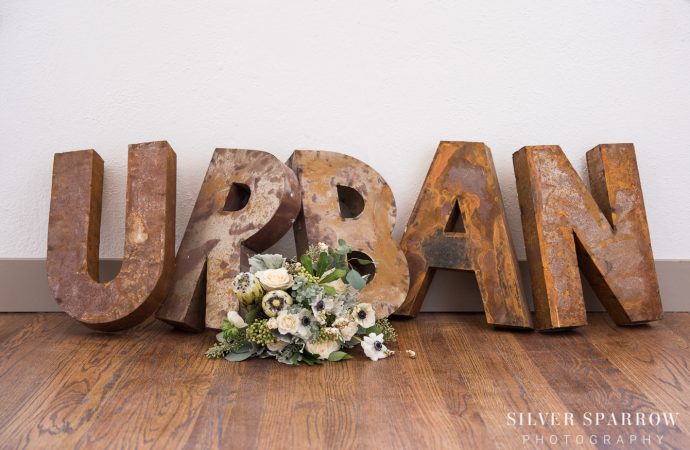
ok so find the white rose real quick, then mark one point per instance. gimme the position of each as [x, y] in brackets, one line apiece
[347, 328]
[276, 346]
[272, 323]
[323, 349]
[275, 279]
[236, 319]
[338, 285]
[287, 323]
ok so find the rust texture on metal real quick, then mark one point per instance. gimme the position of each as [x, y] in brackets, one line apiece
[74, 237]
[247, 202]
[606, 232]
[344, 198]
[461, 185]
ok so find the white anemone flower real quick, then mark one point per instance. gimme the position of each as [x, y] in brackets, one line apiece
[364, 315]
[322, 305]
[374, 348]
[305, 319]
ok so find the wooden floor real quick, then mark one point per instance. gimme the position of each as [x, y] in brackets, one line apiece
[63, 386]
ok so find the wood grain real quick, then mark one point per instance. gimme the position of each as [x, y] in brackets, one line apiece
[64, 386]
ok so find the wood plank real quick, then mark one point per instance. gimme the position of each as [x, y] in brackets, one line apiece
[654, 358]
[678, 323]
[503, 381]
[161, 390]
[588, 382]
[150, 387]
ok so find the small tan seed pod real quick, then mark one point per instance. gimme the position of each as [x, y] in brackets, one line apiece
[412, 354]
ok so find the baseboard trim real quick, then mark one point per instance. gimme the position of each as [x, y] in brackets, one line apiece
[24, 287]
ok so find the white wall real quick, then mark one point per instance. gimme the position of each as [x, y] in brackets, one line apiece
[381, 80]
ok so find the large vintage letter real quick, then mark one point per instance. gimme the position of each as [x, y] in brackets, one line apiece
[74, 234]
[343, 198]
[248, 200]
[459, 223]
[606, 232]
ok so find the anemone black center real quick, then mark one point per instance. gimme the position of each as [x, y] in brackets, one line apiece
[320, 305]
[306, 321]
[362, 314]
[378, 346]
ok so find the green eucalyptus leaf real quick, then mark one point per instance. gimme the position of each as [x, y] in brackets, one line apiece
[339, 356]
[343, 248]
[364, 262]
[238, 356]
[220, 337]
[355, 280]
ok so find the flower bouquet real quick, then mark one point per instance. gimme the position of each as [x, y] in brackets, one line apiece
[302, 311]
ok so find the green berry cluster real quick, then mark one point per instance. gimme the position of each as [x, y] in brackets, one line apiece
[324, 335]
[385, 327]
[296, 269]
[259, 332]
[302, 272]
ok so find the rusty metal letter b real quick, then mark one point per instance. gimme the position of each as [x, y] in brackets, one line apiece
[344, 198]
[74, 234]
[605, 232]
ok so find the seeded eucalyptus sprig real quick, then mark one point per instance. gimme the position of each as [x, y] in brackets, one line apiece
[383, 326]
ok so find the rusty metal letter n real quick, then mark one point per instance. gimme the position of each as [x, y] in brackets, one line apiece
[74, 234]
[461, 187]
[344, 198]
[605, 232]
[248, 201]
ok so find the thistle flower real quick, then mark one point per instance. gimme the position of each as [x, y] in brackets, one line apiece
[247, 288]
[374, 348]
[274, 302]
[364, 315]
